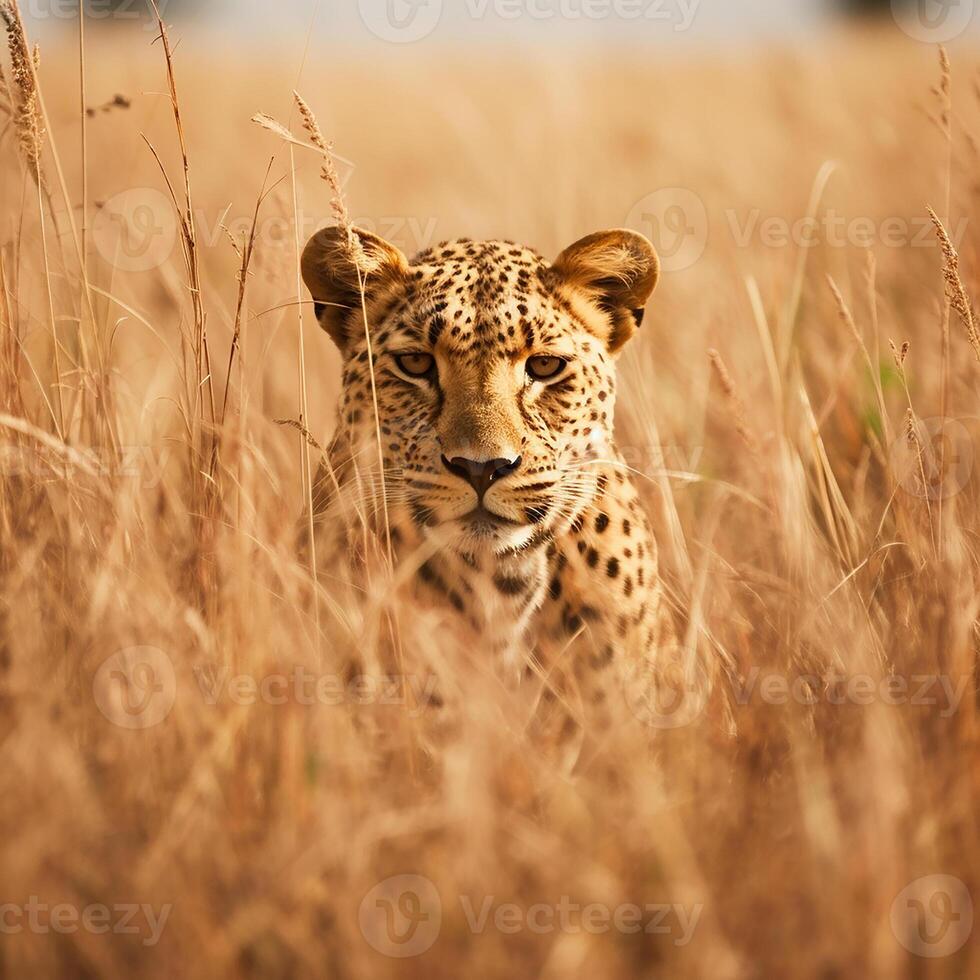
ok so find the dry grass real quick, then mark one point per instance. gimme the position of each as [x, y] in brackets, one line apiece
[796, 537]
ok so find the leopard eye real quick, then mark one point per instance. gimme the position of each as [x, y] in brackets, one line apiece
[545, 367]
[415, 365]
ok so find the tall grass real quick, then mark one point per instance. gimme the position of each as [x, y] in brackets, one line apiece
[813, 527]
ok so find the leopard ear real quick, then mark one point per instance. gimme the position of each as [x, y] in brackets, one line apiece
[618, 270]
[335, 267]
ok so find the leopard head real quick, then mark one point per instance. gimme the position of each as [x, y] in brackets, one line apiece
[487, 372]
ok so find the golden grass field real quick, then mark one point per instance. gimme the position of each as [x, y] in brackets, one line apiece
[817, 519]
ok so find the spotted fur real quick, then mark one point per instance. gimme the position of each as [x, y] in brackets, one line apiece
[562, 565]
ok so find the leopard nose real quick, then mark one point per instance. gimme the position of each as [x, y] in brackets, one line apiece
[479, 474]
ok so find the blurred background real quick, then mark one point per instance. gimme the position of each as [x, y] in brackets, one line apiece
[364, 22]
[708, 109]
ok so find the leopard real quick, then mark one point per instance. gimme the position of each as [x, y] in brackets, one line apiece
[476, 419]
